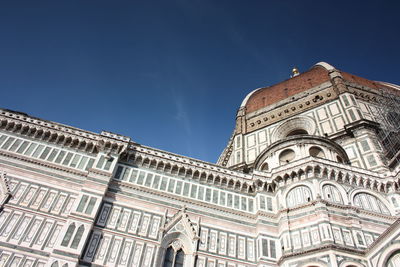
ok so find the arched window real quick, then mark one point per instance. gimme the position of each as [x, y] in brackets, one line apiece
[331, 193]
[55, 264]
[394, 260]
[294, 126]
[180, 256]
[169, 257]
[297, 132]
[174, 258]
[68, 235]
[77, 237]
[369, 202]
[264, 167]
[298, 195]
[316, 152]
[286, 156]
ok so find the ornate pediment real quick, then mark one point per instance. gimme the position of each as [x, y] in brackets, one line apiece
[181, 223]
[180, 234]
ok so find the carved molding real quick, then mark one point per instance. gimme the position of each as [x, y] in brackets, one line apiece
[61, 135]
[181, 223]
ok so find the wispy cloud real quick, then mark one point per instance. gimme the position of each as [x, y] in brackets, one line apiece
[181, 115]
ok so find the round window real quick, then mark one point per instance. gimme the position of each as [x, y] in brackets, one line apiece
[286, 156]
[317, 152]
[297, 132]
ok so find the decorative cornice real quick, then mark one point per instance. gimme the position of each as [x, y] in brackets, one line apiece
[382, 237]
[260, 181]
[188, 201]
[201, 171]
[299, 139]
[320, 249]
[43, 163]
[59, 134]
[293, 107]
[364, 252]
[205, 172]
[324, 169]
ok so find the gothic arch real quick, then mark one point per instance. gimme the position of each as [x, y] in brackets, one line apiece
[160, 166]
[168, 167]
[196, 174]
[77, 237]
[379, 197]
[299, 191]
[153, 164]
[388, 253]
[231, 183]
[224, 181]
[175, 169]
[146, 162]
[68, 235]
[340, 188]
[182, 171]
[184, 242]
[302, 183]
[179, 241]
[180, 234]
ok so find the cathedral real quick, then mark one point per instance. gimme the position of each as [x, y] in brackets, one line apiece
[310, 177]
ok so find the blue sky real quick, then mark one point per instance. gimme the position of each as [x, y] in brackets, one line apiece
[172, 74]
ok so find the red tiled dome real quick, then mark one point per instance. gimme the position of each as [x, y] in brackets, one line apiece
[317, 75]
[272, 94]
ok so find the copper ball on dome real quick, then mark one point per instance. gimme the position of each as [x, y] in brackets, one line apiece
[295, 72]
